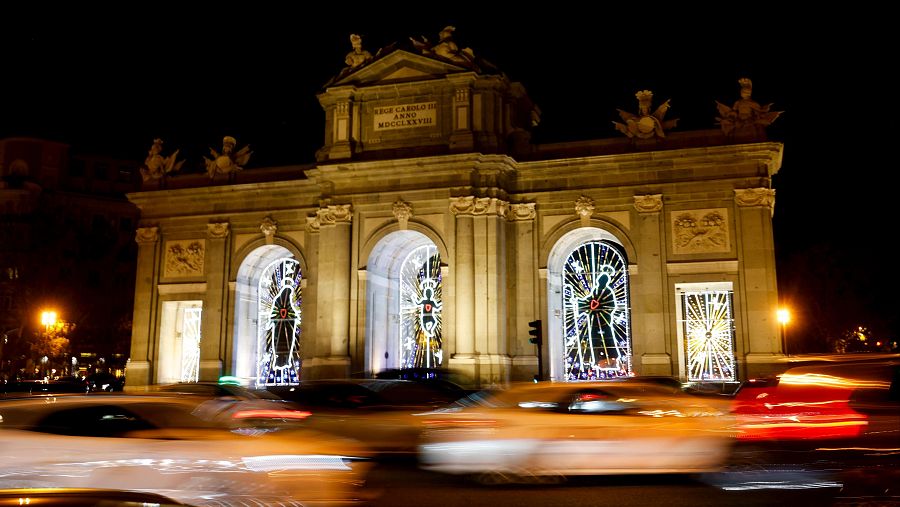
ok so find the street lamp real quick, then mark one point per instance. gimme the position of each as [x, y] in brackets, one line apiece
[48, 319]
[784, 316]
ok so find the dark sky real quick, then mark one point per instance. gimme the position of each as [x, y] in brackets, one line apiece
[109, 78]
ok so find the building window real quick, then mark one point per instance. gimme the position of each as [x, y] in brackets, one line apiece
[101, 171]
[76, 168]
[421, 291]
[596, 313]
[278, 331]
[707, 332]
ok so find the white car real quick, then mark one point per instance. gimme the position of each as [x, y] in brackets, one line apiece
[151, 443]
[550, 430]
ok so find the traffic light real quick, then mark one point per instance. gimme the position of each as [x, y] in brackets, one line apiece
[536, 332]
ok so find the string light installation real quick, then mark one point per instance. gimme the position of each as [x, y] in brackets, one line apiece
[420, 309]
[596, 313]
[709, 332]
[190, 345]
[279, 324]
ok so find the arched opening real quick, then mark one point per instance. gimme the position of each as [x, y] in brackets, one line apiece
[404, 302]
[588, 289]
[267, 343]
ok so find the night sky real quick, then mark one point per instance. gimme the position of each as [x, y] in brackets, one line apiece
[109, 81]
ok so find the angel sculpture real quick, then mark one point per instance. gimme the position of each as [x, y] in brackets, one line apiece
[746, 117]
[157, 166]
[446, 48]
[645, 125]
[227, 162]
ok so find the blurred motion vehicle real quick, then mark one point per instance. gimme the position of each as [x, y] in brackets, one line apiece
[237, 406]
[26, 388]
[159, 444]
[549, 429]
[83, 497]
[832, 417]
[383, 414]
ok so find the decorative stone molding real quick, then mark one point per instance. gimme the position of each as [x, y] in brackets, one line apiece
[402, 211]
[462, 205]
[700, 231]
[521, 212]
[755, 197]
[584, 208]
[648, 203]
[184, 258]
[268, 227]
[471, 205]
[146, 235]
[333, 214]
[217, 230]
[462, 95]
[312, 224]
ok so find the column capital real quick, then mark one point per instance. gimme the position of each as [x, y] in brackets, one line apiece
[648, 203]
[146, 235]
[755, 197]
[521, 212]
[218, 230]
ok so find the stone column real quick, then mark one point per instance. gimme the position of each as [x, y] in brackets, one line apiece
[523, 290]
[333, 291]
[143, 331]
[215, 302]
[759, 289]
[647, 287]
[463, 208]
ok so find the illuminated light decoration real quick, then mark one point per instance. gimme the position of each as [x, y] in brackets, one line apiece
[421, 293]
[190, 345]
[278, 330]
[597, 325]
[709, 336]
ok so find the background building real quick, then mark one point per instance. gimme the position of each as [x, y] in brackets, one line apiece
[66, 244]
[432, 232]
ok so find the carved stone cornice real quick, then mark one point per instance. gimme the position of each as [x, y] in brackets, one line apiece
[217, 230]
[334, 214]
[584, 207]
[146, 235]
[402, 212]
[268, 227]
[651, 203]
[752, 197]
[521, 212]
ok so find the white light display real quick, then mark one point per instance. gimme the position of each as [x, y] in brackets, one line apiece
[278, 352]
[190, 345]
[421, 293]
[596, 311]
[709, 335]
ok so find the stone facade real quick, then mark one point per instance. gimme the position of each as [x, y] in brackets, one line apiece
[420, 152]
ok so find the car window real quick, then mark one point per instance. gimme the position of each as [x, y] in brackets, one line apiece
[92, 421]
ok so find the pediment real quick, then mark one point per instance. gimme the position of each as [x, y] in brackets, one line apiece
[399, 65]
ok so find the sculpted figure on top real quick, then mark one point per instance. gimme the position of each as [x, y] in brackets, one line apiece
[227, 162]
[746, 118]
[358, 56]
[645, 125]
[446, 48]
[157, 166]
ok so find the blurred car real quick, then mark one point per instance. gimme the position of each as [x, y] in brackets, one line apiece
[26, 388]
[835, 419]
[159, 444]
[383, 414]
[549, 429]
[83, 497]
[237, 406]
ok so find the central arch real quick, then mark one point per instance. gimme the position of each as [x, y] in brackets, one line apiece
[404, 294]
[588, 287]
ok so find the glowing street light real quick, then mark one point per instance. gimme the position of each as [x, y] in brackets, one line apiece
[784, 316]
[48, 318]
